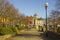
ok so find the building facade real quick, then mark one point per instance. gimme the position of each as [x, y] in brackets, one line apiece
[36, 22]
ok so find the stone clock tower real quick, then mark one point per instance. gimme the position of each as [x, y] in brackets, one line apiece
[36, 20]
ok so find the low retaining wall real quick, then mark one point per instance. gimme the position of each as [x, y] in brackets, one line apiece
[6, 36]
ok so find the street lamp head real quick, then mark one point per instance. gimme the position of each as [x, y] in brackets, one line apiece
[46, 4]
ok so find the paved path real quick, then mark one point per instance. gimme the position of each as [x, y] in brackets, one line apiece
[32, 34]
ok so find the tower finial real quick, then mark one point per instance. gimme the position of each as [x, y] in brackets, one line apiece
[35, 14]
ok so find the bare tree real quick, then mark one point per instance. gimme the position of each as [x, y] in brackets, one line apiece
[54, 15]
[58, 4]
[8, 11]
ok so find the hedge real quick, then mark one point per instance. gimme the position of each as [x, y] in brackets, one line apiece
[5, 30]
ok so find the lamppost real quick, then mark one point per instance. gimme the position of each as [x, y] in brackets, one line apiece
[46, 5]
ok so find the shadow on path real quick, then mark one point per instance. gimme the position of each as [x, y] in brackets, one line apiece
[43, 35]
[27, 35]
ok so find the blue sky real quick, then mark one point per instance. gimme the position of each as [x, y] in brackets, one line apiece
[29, 7]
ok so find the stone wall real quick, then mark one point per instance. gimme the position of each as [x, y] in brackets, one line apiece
[6, 36]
